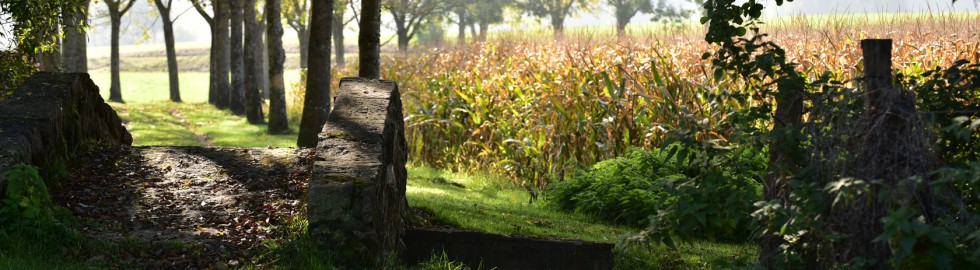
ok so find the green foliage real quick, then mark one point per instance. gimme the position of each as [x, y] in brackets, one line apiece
[941, 237]
[441, 261]
[555, 10]
[950, 97]
[15, 74]
[625, 189]
[292, 248]
[669, 191]
[35, 23]
[798, 220]
[27, 199]
[431, 34]
[33, 29]
[32, 228]
[297, 95]
[625, 10]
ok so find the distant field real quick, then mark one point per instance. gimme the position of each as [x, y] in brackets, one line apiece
[647, 29]
[191, 57]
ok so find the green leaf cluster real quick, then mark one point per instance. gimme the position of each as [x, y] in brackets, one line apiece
[950, 99]
[669, 191]
[27, 199]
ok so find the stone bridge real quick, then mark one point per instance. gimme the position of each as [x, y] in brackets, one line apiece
[356, 195]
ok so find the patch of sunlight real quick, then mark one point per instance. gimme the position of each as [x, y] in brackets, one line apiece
[425, 190]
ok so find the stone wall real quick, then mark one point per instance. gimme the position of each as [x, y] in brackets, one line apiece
[51, 116]
[356, 199]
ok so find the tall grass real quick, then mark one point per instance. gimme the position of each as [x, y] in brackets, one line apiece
[530, 107]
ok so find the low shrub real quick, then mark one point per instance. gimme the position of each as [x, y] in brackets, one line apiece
[26, 199]
[669, 187]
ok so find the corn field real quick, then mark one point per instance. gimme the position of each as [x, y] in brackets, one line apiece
[529, 108]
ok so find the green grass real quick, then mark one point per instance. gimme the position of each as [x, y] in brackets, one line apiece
[43, 246]
[153, 124]
[198, 124]
[226, 129]
[153, 119]
[17, 252]
[145, 87]
[292, 248]
[485, 203]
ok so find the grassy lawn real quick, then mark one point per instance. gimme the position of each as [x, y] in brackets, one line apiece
[197, 124]
[154, 120]
[486, 203]
[145, 87]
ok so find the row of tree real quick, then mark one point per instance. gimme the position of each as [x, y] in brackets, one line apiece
[237, 33]
[240, 79]
[409, 16]
[237, 38]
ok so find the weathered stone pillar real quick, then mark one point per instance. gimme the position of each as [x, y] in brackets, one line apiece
[357, 193]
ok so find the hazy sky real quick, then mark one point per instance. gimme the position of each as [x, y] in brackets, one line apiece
[814, 7]
[191, 27]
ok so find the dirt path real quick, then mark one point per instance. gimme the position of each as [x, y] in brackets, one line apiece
[185, 207]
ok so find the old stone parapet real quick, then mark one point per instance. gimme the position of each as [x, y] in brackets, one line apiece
[356, 200]
[49, 117]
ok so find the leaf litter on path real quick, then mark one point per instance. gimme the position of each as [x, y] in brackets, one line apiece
[184, 207]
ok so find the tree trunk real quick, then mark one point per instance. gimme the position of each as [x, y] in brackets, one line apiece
[253, 95]
[483, 31]
[621, 25]
[338, 39]
[402, 39]
[237, 93]
[472, 29]
[263, 55]
[74, 51]
[115, 93]
[278, 121]
[213, 68]
[222, 56]
[558, 23]
[369, 40]
[461, 22]
[168, 39]
[316, 105]
[785, 159]
[213, 58]
[304, 46]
